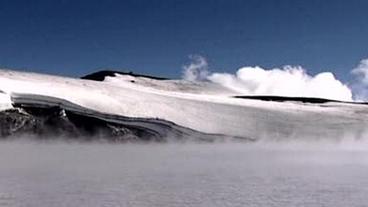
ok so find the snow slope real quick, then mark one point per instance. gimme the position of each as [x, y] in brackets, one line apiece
[202, 106]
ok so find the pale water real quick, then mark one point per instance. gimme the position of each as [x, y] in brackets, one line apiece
[60, 174]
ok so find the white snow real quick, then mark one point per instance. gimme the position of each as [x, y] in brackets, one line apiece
[5, 102]
[202, 106]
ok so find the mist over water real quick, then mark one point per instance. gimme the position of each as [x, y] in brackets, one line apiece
[191, 174]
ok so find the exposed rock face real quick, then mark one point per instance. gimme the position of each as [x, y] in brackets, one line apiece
[52, 122]
[46, 123]
[14, 121]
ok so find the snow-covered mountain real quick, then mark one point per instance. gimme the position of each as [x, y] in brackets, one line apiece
[126, 105]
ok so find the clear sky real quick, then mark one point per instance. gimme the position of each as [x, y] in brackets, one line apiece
[75, 37]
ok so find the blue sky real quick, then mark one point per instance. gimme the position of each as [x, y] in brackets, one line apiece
[74, 37]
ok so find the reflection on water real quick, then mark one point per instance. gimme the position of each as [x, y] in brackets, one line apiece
[60, 174]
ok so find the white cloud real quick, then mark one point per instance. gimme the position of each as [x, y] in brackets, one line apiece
[287, 81]
[361, 71]
[197, 70]
[360, 85]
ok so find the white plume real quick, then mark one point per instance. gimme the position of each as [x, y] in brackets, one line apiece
[197, 70]
[286, 81]
[360, 85]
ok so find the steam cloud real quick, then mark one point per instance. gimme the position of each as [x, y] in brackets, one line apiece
[197, 70]
[360, 84]
[285, 81]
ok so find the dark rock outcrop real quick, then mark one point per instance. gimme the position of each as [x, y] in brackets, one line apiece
[50, 123]
[100, 75]
[285, 98]
[296, 99]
